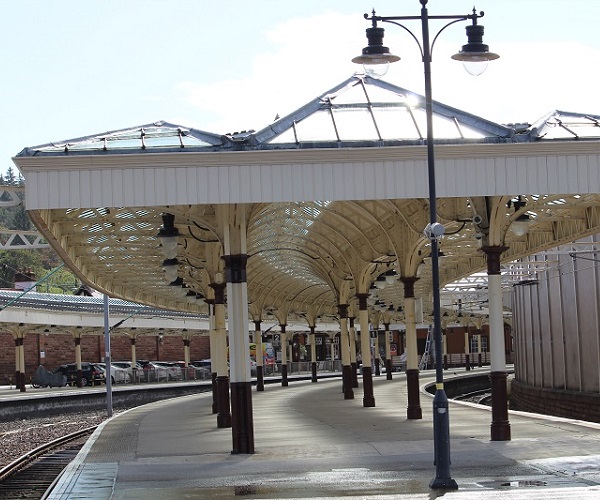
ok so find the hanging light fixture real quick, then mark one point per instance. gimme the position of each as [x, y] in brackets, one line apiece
[380, 282]
[390, 276]
[170, 267]
[168, 235]
[520, 226]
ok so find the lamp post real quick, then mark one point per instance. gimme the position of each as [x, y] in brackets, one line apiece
[475, 55]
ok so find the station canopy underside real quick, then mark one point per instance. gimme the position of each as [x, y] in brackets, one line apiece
[355, 150]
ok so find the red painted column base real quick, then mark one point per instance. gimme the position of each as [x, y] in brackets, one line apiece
[347, 382]
[242, 422]
[215, 399]
[260, 379]
[224, 415]
[368, 396]
[500, 428]
[354, 374]
[284, 375]
[413, 410]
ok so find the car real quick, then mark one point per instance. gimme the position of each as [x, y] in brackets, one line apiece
[118, 374]
[199, 372]
[203, 363]
[154, 372]
[91, 373]
[135, 372]
[173, 369]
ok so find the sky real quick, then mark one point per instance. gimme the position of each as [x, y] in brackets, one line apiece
[75, 68]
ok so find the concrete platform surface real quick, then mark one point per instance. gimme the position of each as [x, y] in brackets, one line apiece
[311, 443]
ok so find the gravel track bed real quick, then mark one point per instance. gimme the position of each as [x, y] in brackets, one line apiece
[20, 436]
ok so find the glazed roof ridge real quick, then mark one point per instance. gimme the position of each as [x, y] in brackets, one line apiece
[162, 136]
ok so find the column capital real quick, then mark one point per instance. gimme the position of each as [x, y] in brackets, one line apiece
[362, 301]
[492, 254]
[409, 286]
[219, 289]
[235, 268]
[343, 310]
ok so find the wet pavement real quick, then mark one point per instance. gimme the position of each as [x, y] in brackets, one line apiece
[311, 443]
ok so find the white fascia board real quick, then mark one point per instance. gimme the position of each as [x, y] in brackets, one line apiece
[154, 179]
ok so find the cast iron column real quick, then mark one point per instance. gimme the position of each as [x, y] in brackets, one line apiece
[500, 428]
[353, 364]
[213, 354]
[220, 358]
[413, 410]
[467, 349]
[17, 365]
[260, 378]
[79, 376]
[239, 345]
[365, 347]
[313, 355]
[388, 352]
[284, 357]
[345, 352]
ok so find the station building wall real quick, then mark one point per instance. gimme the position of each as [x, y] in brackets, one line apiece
[556, 334]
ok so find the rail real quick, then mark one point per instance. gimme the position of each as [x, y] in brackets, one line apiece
[25, 459]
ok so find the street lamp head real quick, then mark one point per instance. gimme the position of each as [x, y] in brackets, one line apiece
[475, 54]
[375, 57]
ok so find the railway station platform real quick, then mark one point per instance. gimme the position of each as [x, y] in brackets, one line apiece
[311, 443]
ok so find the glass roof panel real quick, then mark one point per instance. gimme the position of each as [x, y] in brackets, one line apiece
[571, 126]
[355, 124]
[396, 123]
[372, 113]
[153, 136]
[316, 127]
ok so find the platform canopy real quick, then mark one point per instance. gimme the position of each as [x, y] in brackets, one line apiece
[334, 196]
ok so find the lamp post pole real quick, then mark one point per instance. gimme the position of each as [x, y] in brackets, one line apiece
[441, 424]
[374, 56]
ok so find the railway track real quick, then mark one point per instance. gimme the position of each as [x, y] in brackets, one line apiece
[32, 474]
